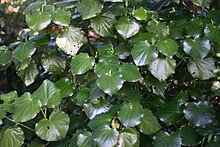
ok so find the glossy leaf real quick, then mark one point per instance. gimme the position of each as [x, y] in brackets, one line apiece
[202, 69]
[212, 33]
[167, 47]
[162, 68]
[8, 97]
[167, 140]
[161, 30]
[85, 139]
[104, 68]
[189, 136]
[81, 63]
[100, 120]
[127, 27]
[195, 27]
[89, 8]
[177, 29]
[54, 128]
[70, 40]
[95, 92]
[48, 94]
[22, 65]
[5, 57]
[199, 114]
[33, 7]
[128, 137]
[61, 17]
[113, 0]
[130, 72]
[140, 14]
[143, 53]
[66, 87]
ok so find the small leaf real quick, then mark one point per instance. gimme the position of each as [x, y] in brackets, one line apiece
[167, 47]
[195, 27]
[5, 57]
[127, 27]
[65, 86]
[162, 68]
[143, 53]
[149, 123]
[89, 8]
[95, 92]
[100, 120]
[104, 68]
[189, 136]
[85, 139]
[141, 14]
[54, 128]
[213, 33]
[199, 114]
[129, 137]
[48, 94]
[130, 114]
[106, 136]
[159, 29]
[197, 48]
[130, 72]
[81, 63]
[8, 97]
[61, 17]
[70, 40]
[202, 69]
[163, 139]
[2, 113]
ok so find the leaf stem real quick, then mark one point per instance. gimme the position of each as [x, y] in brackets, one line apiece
[45, 116]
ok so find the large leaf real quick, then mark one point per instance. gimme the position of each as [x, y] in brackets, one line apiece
[85, 139]
[100, 120]
[167, 47]
[195, 27]
[129, 137]
[199, 114]
[5, 57]
[38, 20]
[110, 83]
[81, 63]
[24, 51]
[26, 108]
[89, 8]
[130, 114]
[130, 72]
[189, 136]
[103, 24]
[213, 33]
[143, 53]
[202, 69]
[48, 94]
[70, 40]
[163, 139]
[54, 128]
[11, 136]
[127, 27]
[106, 136]
[61, 17]
[149, 123]
[197, 48]
[162, 68]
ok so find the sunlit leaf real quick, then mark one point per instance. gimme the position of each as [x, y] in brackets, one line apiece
[129, 137]
[61, 17]
[85, 139]
[130, 72]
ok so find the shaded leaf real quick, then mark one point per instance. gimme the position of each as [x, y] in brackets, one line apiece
[61, 17]
[202, 3]
[195, 27]
[161, 30]
[167, 47]
[189, 136]
[85, 139]
[65, 86]
[167, 140]
[213, 33]
[5, 57]
[130, 72]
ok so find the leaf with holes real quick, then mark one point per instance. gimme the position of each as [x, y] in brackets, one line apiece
[129, 137]
[70, 40]
[130, 72]
[167, 140]
[167, 47]
[61, 17]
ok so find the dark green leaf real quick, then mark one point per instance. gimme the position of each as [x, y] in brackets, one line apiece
[66, 87]
[122, 52]
[95, 92]
[161, 30]
[100, 120]
[40, 39]
[177, 29]
[189, 136]
[22, 65]
[130, 73]
[61, 17]
[5, 57]
[82, 96]
[163, 139]
[104, 68]
[213, 33]
[85, 139]
[129, 137]
[195, 27]
[35, 6]
[167, 47]
[66, 3]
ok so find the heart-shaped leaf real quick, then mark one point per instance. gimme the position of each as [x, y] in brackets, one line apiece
[106, 136]
[128, 137]
[38, 20]
[202, 69]
[199, 114]
[162, 68]
[167, 140]
[141, 14]
[127, 27]
[167, 47]
[48, 94]
[103, 24]
[130, 72]
[195, 27]
[11, 136]
[197, 48]
[61, 17]
[149, 123]
[66, 87]
[213, 33]
[189, 136]
[70, 40]
[81, 63]
[5, 57]
[143, 53]
[54, 128]
[89, 8]
[130, 114]
[85, 139]
[26, 108]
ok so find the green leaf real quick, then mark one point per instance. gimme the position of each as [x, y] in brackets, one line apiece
[24, 51]
[104, 68]
[130, 73]
[195, 27]
[38, 20]
[85, 139]
[34, 6]
[8, 97]
[128, 93]
[127, 27]
[197, 48]
[106, 136]
[163, 139]
[2, 113]
[48, 94]
[100, 120]
[202, 69]
[130, 114]
[167, 47]
[22, 65]
[40, 39]
[113, 0]
[94, 108]
[70, 40]
[66, 3]
[61, 17]
[171, 113]
[162, 68]
[177, 29]
[149, 123]
[110, 83]
[82, 96]
[213, 33]
[54, 128]
[103, 24]
[95, 92]
[141, 14]
[122, 51]
[89, 8]
[5, 57]
[159, 29]
[143, 53]
[65, 86]
[29, 74]
[129, 137]
[11, 136]
[26, 108]
[199, 114]
[202, 3]
[81, 63]
[189, 136]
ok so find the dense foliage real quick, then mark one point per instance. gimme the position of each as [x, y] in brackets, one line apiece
[113, 73]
